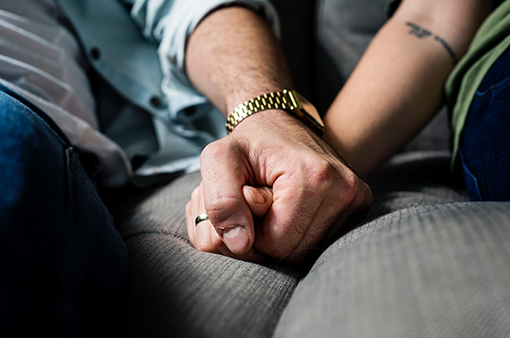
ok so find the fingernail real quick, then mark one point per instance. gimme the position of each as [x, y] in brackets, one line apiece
[258, 197]
[236, 239]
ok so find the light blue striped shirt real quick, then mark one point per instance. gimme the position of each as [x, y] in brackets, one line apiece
[138, 47]
[148, 69]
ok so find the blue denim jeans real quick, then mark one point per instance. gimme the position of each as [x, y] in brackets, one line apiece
[64, 265]
[485, 143]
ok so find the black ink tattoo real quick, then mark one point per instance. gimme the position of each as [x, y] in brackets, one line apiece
[417, 31]
[422, 33]
[448, 49]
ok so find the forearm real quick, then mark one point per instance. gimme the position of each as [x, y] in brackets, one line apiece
[233, 56]
[397, 87]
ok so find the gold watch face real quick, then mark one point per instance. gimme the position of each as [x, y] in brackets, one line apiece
[310, 113]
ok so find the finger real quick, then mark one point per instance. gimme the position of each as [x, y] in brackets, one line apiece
[340, 204]
[288, 220]
[191, 231]
[191, 214]
[356, 211]
[300, 215]
[225, 171]
[201, 230]
[259, 199]
[203, 235]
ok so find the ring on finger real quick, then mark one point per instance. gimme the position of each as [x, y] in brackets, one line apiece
[200, 218]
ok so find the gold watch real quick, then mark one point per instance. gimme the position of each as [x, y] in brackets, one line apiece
[288, 100]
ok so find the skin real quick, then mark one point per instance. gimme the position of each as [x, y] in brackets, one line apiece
[393, 93]
[396, 89]
[232, 57]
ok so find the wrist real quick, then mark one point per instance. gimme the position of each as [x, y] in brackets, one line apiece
[267, 120]
[286, 100]
[236, 97]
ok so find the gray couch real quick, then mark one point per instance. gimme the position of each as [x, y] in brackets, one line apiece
[424, 262]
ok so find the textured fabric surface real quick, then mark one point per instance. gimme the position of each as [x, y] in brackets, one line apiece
[344, 30]
[179, 292]
[427, 271]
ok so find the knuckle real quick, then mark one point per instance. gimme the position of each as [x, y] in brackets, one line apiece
[203, 246]
[349, 189]
[215, 150]
[365, 196]
[216, 242]
[297, 256]
[220, 209]
[195, 194]
[288, 246]
[294, 255]
[322, 175]
[280, 253]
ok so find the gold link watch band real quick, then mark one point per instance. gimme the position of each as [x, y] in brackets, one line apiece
[288, 100]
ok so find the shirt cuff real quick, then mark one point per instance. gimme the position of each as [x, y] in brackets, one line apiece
[184, 17]
[173, 31]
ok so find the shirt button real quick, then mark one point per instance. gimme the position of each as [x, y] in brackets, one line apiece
[155, 102]
[95, 53]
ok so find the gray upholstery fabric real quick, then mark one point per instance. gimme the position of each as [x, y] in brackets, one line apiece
[176, 291]
[343, 31]
[428, 271]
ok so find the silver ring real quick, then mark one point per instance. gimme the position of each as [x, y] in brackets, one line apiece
[201, 218]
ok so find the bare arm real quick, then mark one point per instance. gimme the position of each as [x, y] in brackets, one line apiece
[397, 86]
[233, 57]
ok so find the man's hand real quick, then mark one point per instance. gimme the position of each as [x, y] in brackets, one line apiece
[231, 57]
[314, 194]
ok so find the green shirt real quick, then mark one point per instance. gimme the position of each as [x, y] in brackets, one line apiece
[489, 43]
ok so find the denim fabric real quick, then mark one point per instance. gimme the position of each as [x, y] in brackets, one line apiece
[64, 266]
[485, 142]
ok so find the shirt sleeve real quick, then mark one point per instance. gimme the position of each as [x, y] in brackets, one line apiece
[169, 23]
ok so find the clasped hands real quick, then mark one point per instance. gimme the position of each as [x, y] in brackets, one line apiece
[272, 188]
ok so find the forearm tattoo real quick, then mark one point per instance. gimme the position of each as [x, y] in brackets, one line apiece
[422, 33]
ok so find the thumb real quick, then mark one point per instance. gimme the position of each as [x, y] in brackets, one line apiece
[259, 199]
[224, 174]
